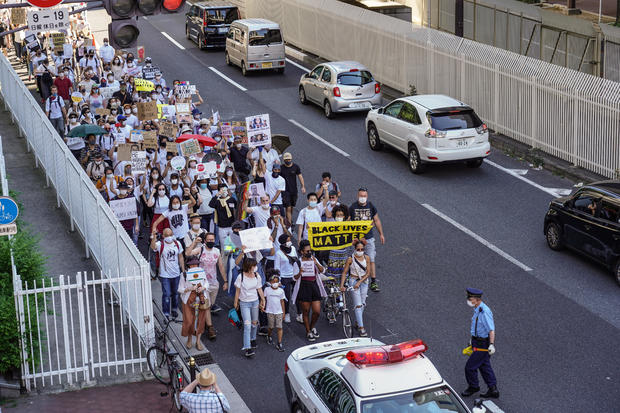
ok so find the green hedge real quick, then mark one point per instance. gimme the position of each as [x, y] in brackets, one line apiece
[30, 265]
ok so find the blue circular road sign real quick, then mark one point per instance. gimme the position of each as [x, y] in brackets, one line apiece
[8, 210]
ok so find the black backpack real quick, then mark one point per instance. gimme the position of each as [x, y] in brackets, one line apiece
[47, 78]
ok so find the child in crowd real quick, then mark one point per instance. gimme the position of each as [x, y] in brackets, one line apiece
[274, 295]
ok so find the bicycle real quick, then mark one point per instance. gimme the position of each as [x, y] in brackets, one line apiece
[336, 304]
[164, 366]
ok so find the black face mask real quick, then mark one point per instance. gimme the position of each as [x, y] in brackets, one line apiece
[275, 174]
[288, 162]
[210, 244]
[308, 254]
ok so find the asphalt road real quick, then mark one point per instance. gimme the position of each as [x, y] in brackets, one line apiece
[557, 324]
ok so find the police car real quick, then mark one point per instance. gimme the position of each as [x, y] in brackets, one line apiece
[363, 375]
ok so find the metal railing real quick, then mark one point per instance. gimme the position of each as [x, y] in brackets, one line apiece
[103, 235]
[568, 114]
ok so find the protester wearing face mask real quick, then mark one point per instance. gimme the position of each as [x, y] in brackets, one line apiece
[177, 218]
[260, 213]
[274, 307]
[87, 116]
[64, 86]
[95, 100]
[159, 201]
[194, 231]
[248, 290]
[269, 156]
[106, 52]
[287, 263]
[311, 213]
[159, 95]
[96, 168]
[210, 261]
[171, 264]
[291, 172]
[132, 119]
[356, 269]
[159, 81]
[112, 82]
[117, 67]
[331, 203]
[87, 82]
[132, 225]
[108, 184]
[124, 129]
[238, 156]
[175, 188]
[122, 95]
[204, 210]
[275, 186]
[90, 150]
[224, 206]
[55, 111]
[309, 289]
[336, 258]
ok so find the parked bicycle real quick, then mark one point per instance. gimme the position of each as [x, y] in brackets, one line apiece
[336, 305]
[162, 362]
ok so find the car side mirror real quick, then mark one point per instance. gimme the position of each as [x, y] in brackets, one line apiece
[568, 203]
[306, 75]
[381, 110]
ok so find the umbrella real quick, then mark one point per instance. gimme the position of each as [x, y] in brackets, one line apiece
[280, 142]
[203, 140]
[85, 130]
[212, 156]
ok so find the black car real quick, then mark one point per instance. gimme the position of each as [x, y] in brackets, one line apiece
[588, 222]
[207, 22]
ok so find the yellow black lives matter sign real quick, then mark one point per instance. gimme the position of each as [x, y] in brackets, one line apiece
[336, 235]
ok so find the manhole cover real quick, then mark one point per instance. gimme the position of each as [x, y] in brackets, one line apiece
[202, 359]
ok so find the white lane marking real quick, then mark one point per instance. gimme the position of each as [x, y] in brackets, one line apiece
[478, 238]
[521, 172]
[174, 42]
[226, 78]
[289, 61]
[317, 137]
[550, 191]
[562, 191]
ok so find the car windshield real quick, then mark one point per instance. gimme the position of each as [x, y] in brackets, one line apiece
[221, 16]
[438, 399]
[455, 119]
[355, 78]
[264, 37]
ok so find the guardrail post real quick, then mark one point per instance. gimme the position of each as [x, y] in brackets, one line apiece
[495, 96]
[192, 370]
[65, 326]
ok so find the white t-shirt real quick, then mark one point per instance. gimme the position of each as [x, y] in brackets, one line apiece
[273, 185]
[205, 195]
[178, 221]
[282, 264]
[309, 215]
[260, 216]
[269, 158]
[161, 203]
[247, 289]
[274, 299]
[169, 259]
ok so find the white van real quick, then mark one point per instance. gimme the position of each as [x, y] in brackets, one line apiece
[255, 44]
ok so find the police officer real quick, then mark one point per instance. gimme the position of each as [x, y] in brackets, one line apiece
[482, 342]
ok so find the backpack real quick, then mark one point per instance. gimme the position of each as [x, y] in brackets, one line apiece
[161, 251]
[47, 78]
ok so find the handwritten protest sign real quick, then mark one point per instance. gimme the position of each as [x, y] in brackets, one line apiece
[239, 130]
[76, 97]
[32, 43]
[190, 147]
[58, 39]
[119, 138]
[149, 73]
[168, 111]
[124, 151]
[149, 139]
[258, 130]
[18, 16]
[336, 235]
[147, 110]
[125, 208]
[206, 170]
[183, 109]
[168, 129]
[107, 92]
[135, 136]
[143, 85]
[177, 163]
[138, 162]
[227, 131]
[256, 238]
[184, 90]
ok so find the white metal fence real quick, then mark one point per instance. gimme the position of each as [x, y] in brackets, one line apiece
[571, 115]
[103, 235]
[76, 328]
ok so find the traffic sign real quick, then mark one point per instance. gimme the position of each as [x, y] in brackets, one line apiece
[48, 20]
[10, 229]
[9, 211]
[44, 3]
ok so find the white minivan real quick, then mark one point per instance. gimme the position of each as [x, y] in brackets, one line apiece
[255, 44]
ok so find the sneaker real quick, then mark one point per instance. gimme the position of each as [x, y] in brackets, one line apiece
[262, 331]
[253, 344]
[315, 333]
[175, 314]
[363, 332]
[374, 286]
[249, 352]
[299, 318]
[280, 347]
[310, 336]
[269, 340]
[287, 318]
[215, 309]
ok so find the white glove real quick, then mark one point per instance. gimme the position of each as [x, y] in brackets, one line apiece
[491, 349]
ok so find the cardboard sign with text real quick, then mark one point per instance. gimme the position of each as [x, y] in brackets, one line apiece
[102, 111]
[124, 151]
[18, 16]
[149, 139]
[147, 110]
[124, 209]
[168, 129]
[190, 147]
[183, 109]
[238, 130]
[58, 39]
[138, 162]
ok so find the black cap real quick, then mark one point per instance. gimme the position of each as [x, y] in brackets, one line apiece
[123, 185]
[238, 225]
[474, 292]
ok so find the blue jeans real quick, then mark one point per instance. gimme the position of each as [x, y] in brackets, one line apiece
[359, 300]
[169, 288]
[249, 314]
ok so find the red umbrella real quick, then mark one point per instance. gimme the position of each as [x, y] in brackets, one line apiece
[203, 140]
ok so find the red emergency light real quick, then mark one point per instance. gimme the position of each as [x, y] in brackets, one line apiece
[387, 354]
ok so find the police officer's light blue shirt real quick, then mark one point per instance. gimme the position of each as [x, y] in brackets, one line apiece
[484, 315]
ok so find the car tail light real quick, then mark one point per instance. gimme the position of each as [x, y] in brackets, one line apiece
[354, 70]
[281, 62]
[387, 354]
[434, 133]
[377, 88]
[336, 92]
[285, 367]
[481, 129]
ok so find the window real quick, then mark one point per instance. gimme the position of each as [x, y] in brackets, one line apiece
[408, 113]
[455, 119]
[586, 202]
[193, 11]
[327, 386]
[394, 108]
[610, 212]
[434, 400]
[316, 72]
[346, 404]
[327, 75]
[358, 78]
[231, 34]
[263, 37]
[221, 16]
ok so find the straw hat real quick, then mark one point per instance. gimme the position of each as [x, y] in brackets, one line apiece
[206, 378]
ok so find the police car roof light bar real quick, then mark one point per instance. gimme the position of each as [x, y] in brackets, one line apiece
[387, 354]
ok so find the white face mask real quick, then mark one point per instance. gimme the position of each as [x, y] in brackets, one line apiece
[195, 227]
[123, 191]
[169, 239]
[362, 199]
[359, 253]
[174, 181]
[339, 219]
[275, 285]
[134, 110]
[229, 173]
[238, 146]
[289, 244]
[176, 206]
[128, 111]
[253, 269]
[109, 176]
[469, 303]
[161, 193]
[265, 206]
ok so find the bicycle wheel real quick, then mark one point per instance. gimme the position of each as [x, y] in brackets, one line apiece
[177, 386]
[156, 359]
[347, 327]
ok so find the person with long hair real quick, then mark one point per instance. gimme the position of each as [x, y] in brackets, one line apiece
[355, 274]
[248, 291]
[159, 201]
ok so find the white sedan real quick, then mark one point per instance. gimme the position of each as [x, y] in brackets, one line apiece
[363, 375]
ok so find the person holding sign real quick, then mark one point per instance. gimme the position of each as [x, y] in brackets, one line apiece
[311, 213]
[177, 218]
[171, 265]
[224, 206]
[309, 289]
[192, 287]
[357, 268]
[131, 225]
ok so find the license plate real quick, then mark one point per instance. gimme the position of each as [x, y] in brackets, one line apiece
[358, 105]
[460, 143]
[267, 65]
[222, 30]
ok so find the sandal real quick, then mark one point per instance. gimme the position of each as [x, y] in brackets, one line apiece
[188, 344]
[199, 345]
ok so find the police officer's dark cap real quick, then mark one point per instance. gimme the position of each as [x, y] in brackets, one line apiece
[474, 292]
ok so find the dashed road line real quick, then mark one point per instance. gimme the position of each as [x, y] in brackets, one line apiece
[226, 78]
[174, 42]
[317, 137]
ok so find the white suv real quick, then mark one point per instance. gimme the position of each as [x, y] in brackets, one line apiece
[429, 129]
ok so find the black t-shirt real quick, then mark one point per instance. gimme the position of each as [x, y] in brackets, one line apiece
[124, 98]
[363, 213]
[238, 158]
[289, 173]
[223, 220]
